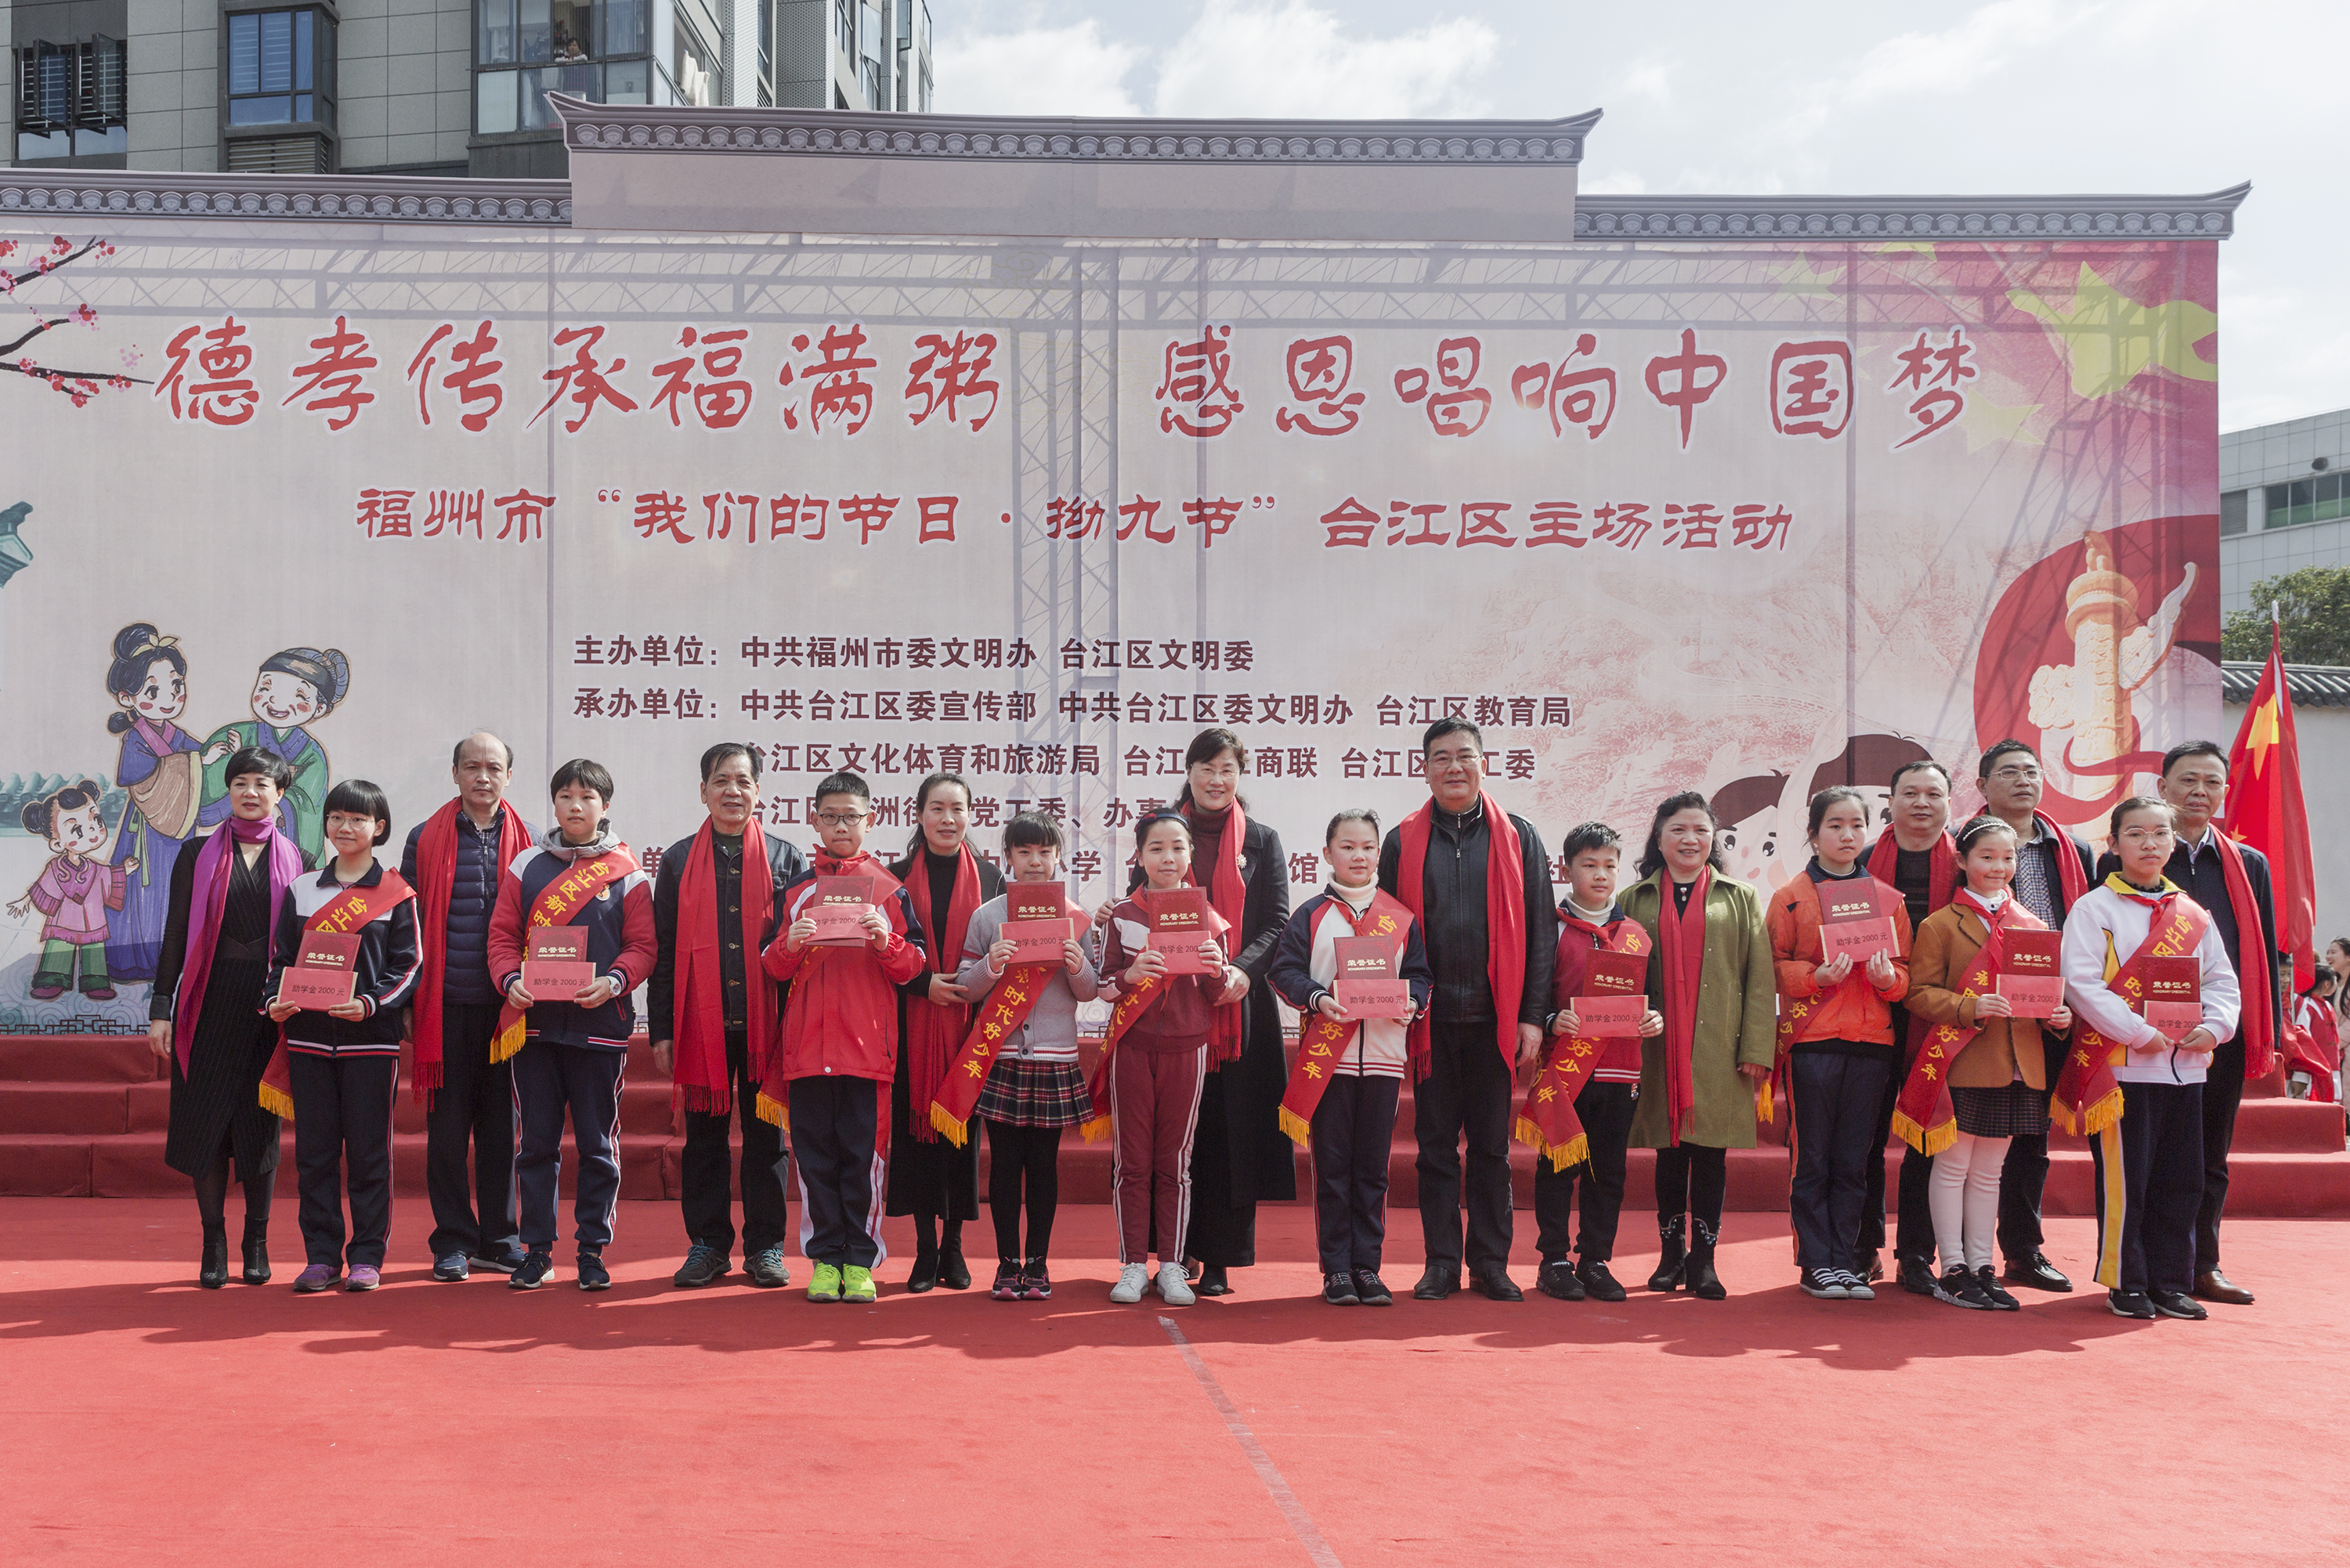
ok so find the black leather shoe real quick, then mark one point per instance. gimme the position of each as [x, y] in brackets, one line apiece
[212, 1272]
[1493, 1282]
[702, 1266]
[2036, 1272]
[257, 1255]
[1437, 1282]
[450, 1269]
[1917, 1276]
[1668, 1276]
[2130, 1304]
[2178, 1304]
[1703, 1283]
[2214, 1286]
[1601, 1284]
[1213, 1282]
[954, 1274]
[1558, 1280]
[926, 1272]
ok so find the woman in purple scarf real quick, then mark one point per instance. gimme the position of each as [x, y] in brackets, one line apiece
[205, 1016]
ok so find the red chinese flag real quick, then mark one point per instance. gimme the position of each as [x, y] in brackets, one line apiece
[2264, 808]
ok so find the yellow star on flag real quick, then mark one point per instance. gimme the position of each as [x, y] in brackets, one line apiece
[2262, 733]
[2109, 337]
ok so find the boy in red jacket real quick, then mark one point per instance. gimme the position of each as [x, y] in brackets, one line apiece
[840, 1042]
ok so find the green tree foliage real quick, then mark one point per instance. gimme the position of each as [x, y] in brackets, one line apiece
[2315, 607]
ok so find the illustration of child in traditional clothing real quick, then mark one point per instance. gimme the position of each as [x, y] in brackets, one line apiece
[297, 686]
[73, 892]
[162, 766]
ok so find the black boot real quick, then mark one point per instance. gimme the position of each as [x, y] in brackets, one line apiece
[1668, 1266]
[926, 1255]
[1703, 1283]
[212, 1273]
[256, 1252]
[953, 1273]
[1212, 1280]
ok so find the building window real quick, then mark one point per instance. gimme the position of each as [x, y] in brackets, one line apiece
[525, 49]
[2233, 509]
[694, 70]
[69, 99]
[2304, 500]
[872, 56]
[280, 67]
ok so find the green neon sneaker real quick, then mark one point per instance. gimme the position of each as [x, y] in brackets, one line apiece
[856, 1284]
[824, 1285]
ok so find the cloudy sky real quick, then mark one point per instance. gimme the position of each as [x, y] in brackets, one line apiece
[2017, 96]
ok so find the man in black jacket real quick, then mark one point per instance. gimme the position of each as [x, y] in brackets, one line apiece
[730, 792]
[2195, 784]
[1469, 1081]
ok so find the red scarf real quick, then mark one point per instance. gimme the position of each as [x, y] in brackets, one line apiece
[436, 875]
[1680, 939]
[1924, 1117]
[702, 1081]
[1321, 1040]
[1548, 1124]
[2069, 875]
[1505, 920]
[1007, 1007]
[934, 1033]
[1942, 870]
[2087, 1098]
[345, 912]
[561, 899]
[2256, 973]
[1228, 896]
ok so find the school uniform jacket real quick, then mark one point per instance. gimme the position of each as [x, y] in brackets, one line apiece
[840, 1018]
[384, 973]
[1307, 960]
[2002, 1047]
[618, 921]
[2101, 933]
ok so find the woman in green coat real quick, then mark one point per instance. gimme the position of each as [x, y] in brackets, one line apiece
[1710, 974]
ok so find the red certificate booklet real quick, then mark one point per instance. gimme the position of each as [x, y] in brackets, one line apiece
[1850, 923]
[837, 906]
[2031, 978]
[1179, 924]
[1365, 982]
[556, 963]
[322, 972]
[1034, 923]
[1616, 987]
[2174, 994]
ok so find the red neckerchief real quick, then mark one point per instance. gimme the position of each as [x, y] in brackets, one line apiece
[702, 1080]
[1680, 939]
[1942, 870]
[1505, 918]
[2256, 975]
[935, 1032]
[1228, 896]
[436, 877]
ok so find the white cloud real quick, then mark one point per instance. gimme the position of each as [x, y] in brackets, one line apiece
[1615, 182]
[1036, 71]
[1292, 60]
[1647, 77]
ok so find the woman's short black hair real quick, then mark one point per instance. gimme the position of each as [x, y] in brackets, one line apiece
[1652, 858]
[255, 760]
[1206, 747]
[586, 774]
[358, 798]
[1032, 830]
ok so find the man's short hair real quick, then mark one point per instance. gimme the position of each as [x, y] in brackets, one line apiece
[717, 755]
[1451, 725]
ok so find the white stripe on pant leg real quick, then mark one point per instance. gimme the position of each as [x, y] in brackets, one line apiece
[876, 1180]
[1117, 1157]
[1183, 1165]
[620, 1084]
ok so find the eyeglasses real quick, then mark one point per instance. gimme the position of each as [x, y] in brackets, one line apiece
[2016, 775]
[2146, 836]
[1448, 759]
[840, 818]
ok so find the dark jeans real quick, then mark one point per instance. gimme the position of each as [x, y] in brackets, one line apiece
[837, 1124]
[1835, 1096]
[2161, 1139]
[1024, 1162]
[342, 1137]
[1353, 1134]
[550, 1078]
[1690, 1180]
[1466, 1091]
[1913, 1235]
[2223, 1091]
[707, 1191]
[1605, 1112]
[472, 1212]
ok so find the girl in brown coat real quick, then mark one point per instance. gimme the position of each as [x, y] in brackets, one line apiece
[1998, 1085]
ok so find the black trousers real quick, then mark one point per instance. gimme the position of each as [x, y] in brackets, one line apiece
[1913, 1235]
[2161, 1139]
[707, 1185]
[1466, 1092]
[1691, 1179]
[2223, 1092]
[550, 1078]
[342, 1135]
[837, 1122]
[473, 1110]
[1835, 1097]
[1023, 1163]
[1605, 1112]
[1353, 1134]
[2022, 1184]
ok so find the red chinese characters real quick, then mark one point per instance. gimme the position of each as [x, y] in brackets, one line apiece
[1681, 381]
[1455, 405]
[335, 383]
[1580, 395]
[1073, 518]
[721, 397]
[584, 380]
[472, 374]
[1811, 388]
[1626, 524]
[383, 513]
[1319, 369]
[838, 391]
[222, 391]
[1196, 386]
[949, 371]
[1936, 372]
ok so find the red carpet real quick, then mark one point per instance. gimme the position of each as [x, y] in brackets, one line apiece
[149, 1420]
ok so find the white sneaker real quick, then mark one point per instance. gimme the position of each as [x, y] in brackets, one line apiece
[1173, 1288]
[1130, 1281]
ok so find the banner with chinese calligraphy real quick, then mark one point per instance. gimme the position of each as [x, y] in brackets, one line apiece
[1744, 517]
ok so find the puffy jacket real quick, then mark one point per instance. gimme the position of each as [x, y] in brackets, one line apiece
[840, 1018]
[473, 900]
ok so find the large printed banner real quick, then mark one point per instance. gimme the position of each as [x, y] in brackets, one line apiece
[1748, 518]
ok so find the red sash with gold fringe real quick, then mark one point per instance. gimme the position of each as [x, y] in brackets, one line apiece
[560, 899]
[1322, 1040]
[1547, 1123]
[1007, 1009]
[2088, 1098]
[347, 912]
